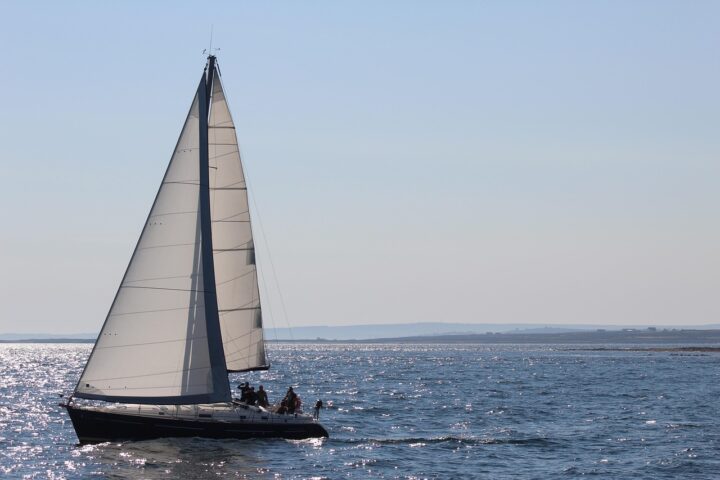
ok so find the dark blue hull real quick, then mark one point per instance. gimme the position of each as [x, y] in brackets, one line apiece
[95, 426]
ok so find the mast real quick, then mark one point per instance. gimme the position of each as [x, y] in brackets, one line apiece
[214, 336]
[210, 69]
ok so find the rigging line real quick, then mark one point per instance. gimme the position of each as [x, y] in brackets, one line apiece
[268, 305]
[272, 264]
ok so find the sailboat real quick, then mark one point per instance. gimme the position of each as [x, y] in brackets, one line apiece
[188, 309]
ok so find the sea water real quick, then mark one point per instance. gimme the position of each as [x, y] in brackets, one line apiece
[404, 411]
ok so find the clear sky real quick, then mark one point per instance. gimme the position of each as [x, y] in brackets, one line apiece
[508, 161]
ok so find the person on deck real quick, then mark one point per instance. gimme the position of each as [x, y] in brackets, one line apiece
[244, 389]
[290, 399]
[262, 398]
[251, 396]
[318, 406]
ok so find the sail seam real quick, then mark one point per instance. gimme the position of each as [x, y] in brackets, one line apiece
[237, 183]
[216, 156]
[89, 380]
[165, 400]
[246, 304]
[140, 312]
[168, 246]
[235, 215]
[247, 334]
[148, 279]
[163, 288]
[110, 389]
[170, 213]
[225, 310]
[236, 357]
[234, 278]
[153, 343]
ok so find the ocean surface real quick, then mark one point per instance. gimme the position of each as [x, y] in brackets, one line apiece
[405, 411]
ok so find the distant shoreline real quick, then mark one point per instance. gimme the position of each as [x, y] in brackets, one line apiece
[649, 349]
[678, 339]
[650, 337]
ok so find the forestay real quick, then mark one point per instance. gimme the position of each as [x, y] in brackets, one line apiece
[158, 343]
[236, 274]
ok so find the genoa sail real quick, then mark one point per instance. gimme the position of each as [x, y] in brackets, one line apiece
[161, 341]
[236, 274]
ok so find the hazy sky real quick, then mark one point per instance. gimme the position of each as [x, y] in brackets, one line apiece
[534, 162]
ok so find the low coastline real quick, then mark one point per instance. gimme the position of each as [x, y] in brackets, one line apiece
[651, 340]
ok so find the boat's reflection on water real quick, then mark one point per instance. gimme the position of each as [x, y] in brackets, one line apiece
[181, 457]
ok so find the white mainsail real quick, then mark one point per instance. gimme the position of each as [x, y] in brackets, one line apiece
[160, 342]
[236, 274]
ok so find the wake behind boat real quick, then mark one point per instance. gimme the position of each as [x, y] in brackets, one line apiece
[188, 309]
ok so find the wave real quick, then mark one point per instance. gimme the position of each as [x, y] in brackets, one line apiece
[464, 440]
